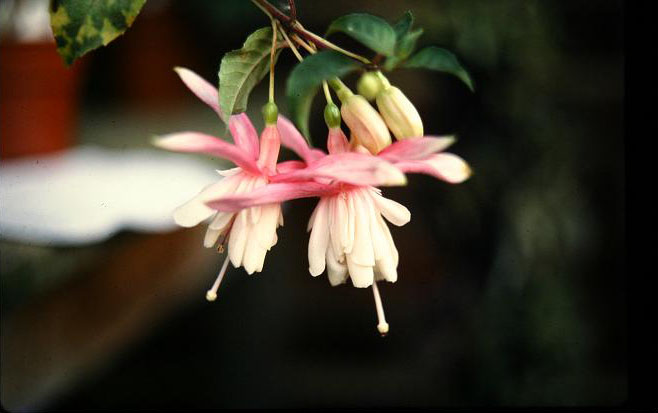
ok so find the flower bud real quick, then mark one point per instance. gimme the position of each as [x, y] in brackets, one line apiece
[270, 113]
[332, 115]
[399, 113]
[367, 126]
[369, 86]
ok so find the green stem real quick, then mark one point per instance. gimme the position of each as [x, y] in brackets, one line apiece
[340, 88]
[272, 52]
[327, 94]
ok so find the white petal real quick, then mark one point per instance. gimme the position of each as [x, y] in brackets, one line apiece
[221, 220]
[254, 212]
[351, 217]
[386, 269]
[311, 219]
[335, 224]
[385, 252]
[238, 239]
[254, 252]
[262, 236]
[391, 244]
[362, 252]
[395, 213]
[450, 166]
[195, 210]
[254, 215]
[336, 272]
[341, 210]
[266, 228]
[319, 241]
[362, 276]
[211, 237]
[379, 241]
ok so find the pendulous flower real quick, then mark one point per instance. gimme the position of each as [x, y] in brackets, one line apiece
[250, 231]
[349, 237]
[348, 234]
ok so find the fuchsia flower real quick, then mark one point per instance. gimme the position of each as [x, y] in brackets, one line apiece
[250, 229]
[348, 234]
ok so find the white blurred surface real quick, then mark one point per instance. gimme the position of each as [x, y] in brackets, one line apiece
[88, 193]
[27, 21]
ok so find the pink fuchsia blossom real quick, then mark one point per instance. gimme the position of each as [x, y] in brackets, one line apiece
[349, 237]
[425, 155]
[343, 204]
[348, 234]
[251, 229]
[250, 232]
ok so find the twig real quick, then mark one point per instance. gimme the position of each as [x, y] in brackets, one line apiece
[295, 26]
[293, 10]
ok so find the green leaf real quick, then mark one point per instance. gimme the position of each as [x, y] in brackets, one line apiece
[80, 26]
[405, 41]
[442, 60]
[242, 69]
[306, 78]
[403, 25]
[372, 31]
[407, 44]
[403, 49]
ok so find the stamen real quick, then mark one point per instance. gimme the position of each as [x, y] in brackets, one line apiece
[211, 295]
[382, 325]
[223, 237]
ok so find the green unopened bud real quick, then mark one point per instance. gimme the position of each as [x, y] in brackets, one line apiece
[399, 113]
[367, 126]
[369, 85]
[332, 115]
[270, 113]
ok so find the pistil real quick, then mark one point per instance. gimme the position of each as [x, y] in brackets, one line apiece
[211, 295]
[382, 325]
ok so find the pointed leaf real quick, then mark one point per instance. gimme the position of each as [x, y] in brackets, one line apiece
[242, 69]
[404, 47]
[80, 26]
[403, 25]
[374, 32]
[442, 60]
[306, 78]
[407, 44]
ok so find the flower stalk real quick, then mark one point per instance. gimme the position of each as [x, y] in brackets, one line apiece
[272, 52]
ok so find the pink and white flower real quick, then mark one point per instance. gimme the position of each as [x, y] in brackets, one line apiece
[250, 229]
[349, 237]
[343, 204]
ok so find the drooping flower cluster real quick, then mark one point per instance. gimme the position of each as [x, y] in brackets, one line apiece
[349, 236]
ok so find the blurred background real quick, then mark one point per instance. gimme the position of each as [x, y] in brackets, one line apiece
[511, 286]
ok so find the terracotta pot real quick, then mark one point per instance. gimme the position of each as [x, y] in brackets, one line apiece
[38, 100]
